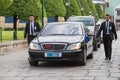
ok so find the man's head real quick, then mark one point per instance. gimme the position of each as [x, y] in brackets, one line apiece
[107, 17]
[31, 18]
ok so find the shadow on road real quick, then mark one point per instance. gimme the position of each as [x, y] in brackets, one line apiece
[58, 64]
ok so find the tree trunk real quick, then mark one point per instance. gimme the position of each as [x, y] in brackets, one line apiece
[15, 27]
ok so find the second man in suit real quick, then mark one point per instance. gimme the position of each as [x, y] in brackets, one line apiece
[31, 30]
[109, 34]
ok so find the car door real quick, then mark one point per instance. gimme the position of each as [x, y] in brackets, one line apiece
[90, 40]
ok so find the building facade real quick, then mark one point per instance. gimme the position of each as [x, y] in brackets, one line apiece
[112, 5]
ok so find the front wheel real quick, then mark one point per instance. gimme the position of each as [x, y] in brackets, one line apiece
[90, 56]
[32, 63]
[94, 47]
[84, 59]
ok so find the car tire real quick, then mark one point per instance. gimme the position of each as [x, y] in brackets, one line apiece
[84, 58]
[94, 47]
[32, 63]
[90, 56]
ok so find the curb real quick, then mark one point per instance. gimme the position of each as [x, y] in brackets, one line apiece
[12, 44]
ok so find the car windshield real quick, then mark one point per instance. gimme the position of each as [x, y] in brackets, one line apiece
[86, 21]
[62, 29]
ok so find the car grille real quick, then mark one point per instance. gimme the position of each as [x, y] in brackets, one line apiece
[53, 46]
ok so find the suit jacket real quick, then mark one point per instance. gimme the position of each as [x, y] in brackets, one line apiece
[112, 30]
[27, 29]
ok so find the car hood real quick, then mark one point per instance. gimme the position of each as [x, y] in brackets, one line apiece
[91, 28]
[67, 39]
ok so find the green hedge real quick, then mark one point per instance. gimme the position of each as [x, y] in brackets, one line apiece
[0, 28]
[21, 29]
[11, 29]
[8, 29]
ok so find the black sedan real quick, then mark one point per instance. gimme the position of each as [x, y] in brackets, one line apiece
[61, 41]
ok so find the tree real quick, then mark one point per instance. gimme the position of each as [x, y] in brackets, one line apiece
[92, 8]
[86, 7]
[73, 8]
[79, 4]
[54, 8]
[100, 12]
[5, 4]
[21, 9]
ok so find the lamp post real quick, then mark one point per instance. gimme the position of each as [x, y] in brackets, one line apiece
[42, 13]
[82, 10]
[67, 6]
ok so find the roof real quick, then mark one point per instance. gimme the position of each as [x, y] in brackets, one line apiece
[82, 16]
[100, 2]
[66, 23]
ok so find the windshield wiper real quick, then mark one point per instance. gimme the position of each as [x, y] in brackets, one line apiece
[56, 34]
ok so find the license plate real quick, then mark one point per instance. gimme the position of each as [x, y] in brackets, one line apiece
[53, 54]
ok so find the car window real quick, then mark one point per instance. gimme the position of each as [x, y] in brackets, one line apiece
[86, 21]
[62, 29]
[86, 29]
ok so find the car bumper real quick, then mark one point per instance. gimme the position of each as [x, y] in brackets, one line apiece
[66, 56]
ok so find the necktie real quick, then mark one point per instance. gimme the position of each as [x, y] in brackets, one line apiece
[31, 29]
[107, 26]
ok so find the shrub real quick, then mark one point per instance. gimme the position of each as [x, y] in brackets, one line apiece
[21, 29]
[8, 29]
[0, 28]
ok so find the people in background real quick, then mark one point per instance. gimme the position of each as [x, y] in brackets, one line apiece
[32, 29]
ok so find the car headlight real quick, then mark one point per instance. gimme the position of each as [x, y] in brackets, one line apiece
[34, 46]
[75, 46]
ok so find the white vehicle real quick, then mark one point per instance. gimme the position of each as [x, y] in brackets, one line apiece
[117, 17]
[90, 23]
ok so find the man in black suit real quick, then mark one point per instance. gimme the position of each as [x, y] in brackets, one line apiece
[109, 33]
[31, 30]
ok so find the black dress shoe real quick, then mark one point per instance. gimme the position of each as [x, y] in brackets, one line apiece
[106, 58]
[109, 58]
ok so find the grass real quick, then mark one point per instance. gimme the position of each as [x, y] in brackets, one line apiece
[8, 35]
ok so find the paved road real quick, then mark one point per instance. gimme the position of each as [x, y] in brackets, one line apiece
[14, 66]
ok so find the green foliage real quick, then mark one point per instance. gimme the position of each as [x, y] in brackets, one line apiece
[5, 4]
[92, 8]
[79, 4]
[8, 35]
[100, 12]
[39, 22]
[54, 8]
[8, 29]
[24, 8]
[0, 28]
[21, 29]
[73, 9]
[86, 7]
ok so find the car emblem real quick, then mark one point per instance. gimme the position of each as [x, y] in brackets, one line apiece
[47, 46]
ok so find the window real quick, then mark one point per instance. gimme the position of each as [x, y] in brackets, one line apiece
[118, 12]
[8, 19]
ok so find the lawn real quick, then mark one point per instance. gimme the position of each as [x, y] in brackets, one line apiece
[8, 35]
